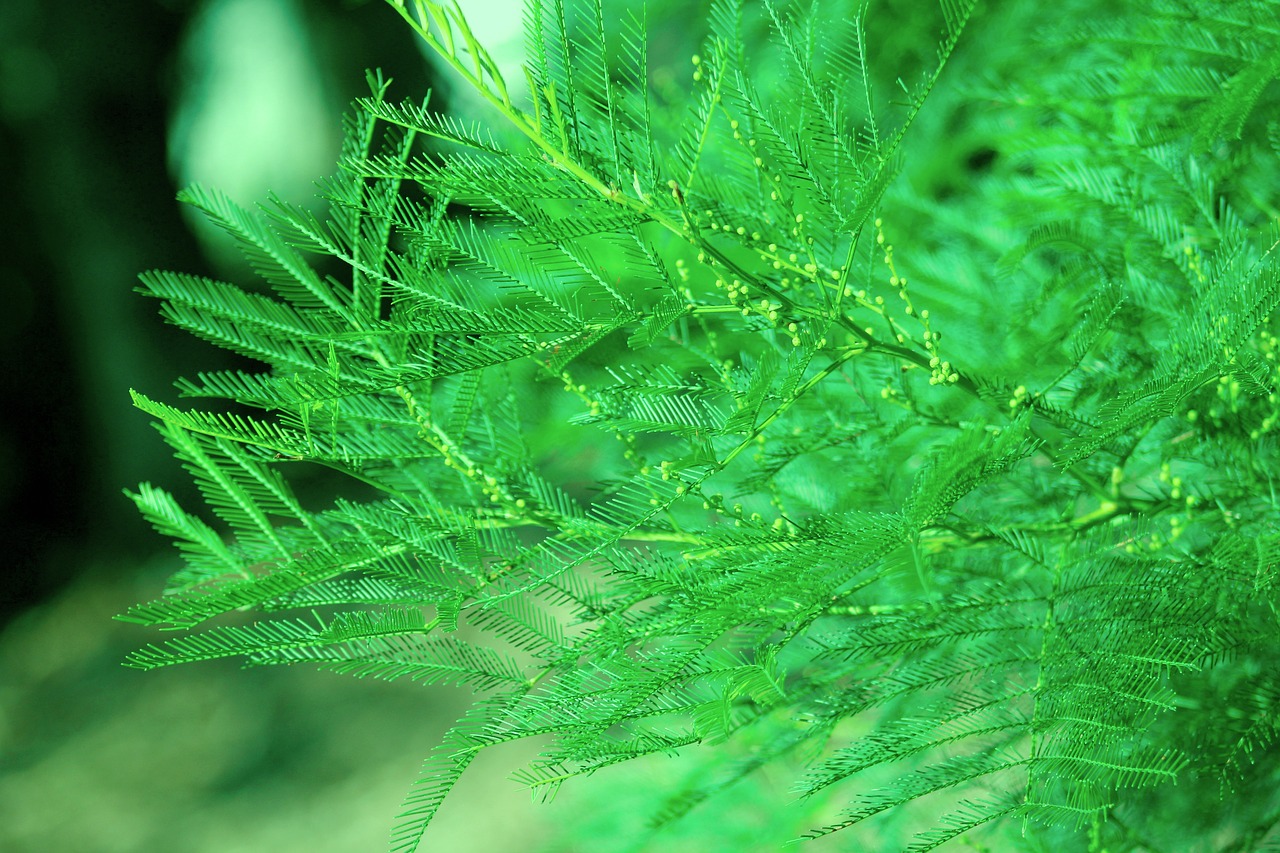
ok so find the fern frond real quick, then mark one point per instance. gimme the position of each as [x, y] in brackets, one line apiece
[665, 416]
[276, 261]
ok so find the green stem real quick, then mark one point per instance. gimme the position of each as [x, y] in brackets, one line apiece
[788, 403]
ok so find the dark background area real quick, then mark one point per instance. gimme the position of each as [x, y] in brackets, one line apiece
[87, 95]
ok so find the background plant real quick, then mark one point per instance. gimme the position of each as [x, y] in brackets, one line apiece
[673, 417]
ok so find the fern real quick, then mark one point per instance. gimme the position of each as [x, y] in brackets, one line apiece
[959, 506]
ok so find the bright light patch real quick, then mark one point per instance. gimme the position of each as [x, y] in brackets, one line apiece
[253, 116]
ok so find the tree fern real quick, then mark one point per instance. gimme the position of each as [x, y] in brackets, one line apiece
[958, 506]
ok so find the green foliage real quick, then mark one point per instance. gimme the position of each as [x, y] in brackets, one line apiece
[745, 419]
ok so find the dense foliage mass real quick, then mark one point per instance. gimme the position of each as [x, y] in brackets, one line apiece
[789, 416]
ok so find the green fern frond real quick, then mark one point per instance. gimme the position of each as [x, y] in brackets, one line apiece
[715, 418]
